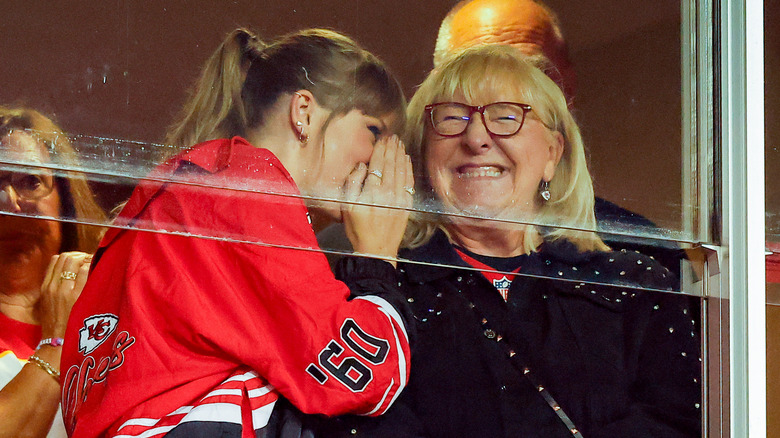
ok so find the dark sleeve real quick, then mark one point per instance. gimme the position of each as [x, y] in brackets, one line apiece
[399, 422]
[367, 276]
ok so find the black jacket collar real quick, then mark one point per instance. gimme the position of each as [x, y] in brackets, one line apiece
[436, 258]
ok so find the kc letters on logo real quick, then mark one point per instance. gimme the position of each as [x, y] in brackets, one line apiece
[96, 329]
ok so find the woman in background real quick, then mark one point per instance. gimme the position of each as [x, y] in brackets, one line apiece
[37, 286]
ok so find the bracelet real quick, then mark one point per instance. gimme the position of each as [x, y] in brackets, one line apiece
[54, 342]
[46, 366]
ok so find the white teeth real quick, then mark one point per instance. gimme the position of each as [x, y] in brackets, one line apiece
[481, 172]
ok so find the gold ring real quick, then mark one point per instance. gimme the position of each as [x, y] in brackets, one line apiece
[377, 173]
[409, 190]
[67, 275]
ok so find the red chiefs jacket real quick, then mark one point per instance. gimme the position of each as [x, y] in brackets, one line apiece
[174, 333]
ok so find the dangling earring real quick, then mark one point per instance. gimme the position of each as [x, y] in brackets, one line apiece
[303, 138]
[544, 190]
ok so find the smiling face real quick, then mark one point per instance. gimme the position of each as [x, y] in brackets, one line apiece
[487, 175]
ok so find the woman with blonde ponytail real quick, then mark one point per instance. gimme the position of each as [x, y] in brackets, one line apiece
[179, 336]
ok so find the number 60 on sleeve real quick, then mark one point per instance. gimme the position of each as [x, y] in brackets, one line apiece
[349, 370]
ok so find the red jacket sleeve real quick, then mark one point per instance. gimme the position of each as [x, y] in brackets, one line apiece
[274, 304]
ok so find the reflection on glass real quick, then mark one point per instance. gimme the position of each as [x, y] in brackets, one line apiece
[123, 163]
[610, 254]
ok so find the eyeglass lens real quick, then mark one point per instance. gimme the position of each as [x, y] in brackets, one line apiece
[499, 118]
[31, 185]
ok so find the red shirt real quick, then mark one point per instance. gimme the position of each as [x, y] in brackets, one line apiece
[499, 280]
[173, 329]
[18, 337]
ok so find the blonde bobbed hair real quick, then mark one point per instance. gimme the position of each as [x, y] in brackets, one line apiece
[482, 72]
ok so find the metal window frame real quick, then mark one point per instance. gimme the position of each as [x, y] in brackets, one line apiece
[738, 150]
[723, 194]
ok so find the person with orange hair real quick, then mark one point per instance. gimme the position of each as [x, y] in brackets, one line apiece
[528, 25]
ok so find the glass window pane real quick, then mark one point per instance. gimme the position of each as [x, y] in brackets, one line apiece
[115, 77]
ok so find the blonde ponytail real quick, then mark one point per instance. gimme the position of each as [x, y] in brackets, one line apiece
[245, 77]
[214, 108]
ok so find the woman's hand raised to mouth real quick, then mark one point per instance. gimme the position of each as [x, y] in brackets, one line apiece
[378, 199]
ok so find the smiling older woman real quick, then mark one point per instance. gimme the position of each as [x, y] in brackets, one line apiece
[540, 330]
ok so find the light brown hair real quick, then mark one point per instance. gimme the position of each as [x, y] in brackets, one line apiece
[77, 202]
[245, 76]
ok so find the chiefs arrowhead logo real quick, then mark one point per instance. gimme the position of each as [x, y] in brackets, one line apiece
[96, 329]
